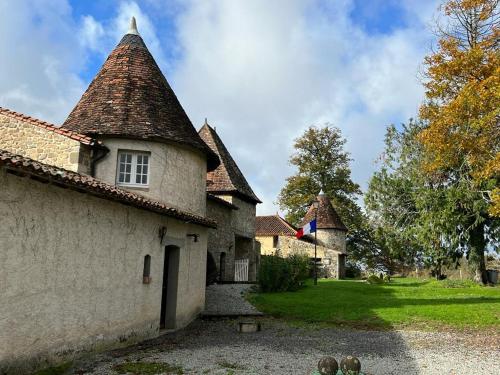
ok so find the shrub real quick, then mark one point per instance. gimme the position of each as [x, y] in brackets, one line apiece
[352, 270]
[448, 283]
[278, 274]
[374, 279]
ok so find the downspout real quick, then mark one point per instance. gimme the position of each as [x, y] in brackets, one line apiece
[98, 153]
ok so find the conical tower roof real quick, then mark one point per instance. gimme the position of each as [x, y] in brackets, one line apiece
[227, 177]
[131, 98]
[327, 217]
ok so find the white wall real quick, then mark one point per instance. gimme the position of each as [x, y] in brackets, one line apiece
[71, 272]
[177, 175]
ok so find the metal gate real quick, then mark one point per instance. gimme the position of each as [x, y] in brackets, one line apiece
[241, 270]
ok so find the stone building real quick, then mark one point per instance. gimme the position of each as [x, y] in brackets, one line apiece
[232, 203]
[103, 222]
[276, 234]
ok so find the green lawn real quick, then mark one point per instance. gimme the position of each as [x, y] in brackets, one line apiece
[401, 303]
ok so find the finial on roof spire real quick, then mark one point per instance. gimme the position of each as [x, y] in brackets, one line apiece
[206, 121]
[321, 192]
[133, 27]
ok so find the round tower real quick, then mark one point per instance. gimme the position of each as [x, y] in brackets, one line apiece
[331, 231]
[154, 150]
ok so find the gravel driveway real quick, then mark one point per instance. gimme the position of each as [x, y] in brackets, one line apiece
[227, 300]
[215, 347]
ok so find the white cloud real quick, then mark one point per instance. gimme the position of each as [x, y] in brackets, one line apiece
[39, 65]
[263, 71]
[260, 71]
[91, 33]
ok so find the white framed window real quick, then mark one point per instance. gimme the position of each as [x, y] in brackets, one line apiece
[133, 168]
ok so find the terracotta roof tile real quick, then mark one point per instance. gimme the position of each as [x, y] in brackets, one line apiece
[273, 225]
[227, 177]
[90, 185]
[51, 127]
[327, 216]
[131, 98]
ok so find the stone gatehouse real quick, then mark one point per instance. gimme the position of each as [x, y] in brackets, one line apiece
[276, 234]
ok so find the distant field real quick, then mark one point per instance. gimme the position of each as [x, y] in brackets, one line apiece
[402, 303]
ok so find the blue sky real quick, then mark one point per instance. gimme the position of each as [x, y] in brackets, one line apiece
[261, 71]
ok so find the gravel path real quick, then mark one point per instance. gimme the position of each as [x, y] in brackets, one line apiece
[227, 300]
[215, 347]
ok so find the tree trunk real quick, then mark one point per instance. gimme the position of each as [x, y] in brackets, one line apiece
[476, 256]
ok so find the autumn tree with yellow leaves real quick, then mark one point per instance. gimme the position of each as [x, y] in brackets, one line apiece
[437, 191]
[462, 106]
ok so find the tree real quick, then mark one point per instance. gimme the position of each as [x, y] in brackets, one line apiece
[434, 218]
[322, 164]
[461, 112]
[462, 106]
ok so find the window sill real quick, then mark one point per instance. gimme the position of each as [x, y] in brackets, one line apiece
[134, 187]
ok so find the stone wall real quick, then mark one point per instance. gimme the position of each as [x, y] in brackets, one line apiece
[71, 273]
[221, 240]
[243, 231]
[243, 219]
[35, 142]
[177, 175]
[331, 262]
[332, 238]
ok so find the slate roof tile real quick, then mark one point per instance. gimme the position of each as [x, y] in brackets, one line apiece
[327, 216]
[227, 177]
[131, 98]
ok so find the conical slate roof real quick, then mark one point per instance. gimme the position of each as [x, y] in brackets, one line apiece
[327, 217]
[131, 98]
[227, 177]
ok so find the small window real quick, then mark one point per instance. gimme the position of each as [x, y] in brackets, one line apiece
[275, 241]
[133, 168]
[146, 273]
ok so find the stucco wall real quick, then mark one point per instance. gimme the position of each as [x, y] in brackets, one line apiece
[71, 270]
[221, 239]
[177, 175]
[35, 142]
[266, 245]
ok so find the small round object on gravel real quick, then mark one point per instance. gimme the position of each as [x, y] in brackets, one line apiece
[328, 366]
[350, 365]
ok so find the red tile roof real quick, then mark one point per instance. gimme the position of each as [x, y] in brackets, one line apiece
[86, 140]
[327, 217]
[86, 184]
[273, 225]
[131, 98]
[227, 177]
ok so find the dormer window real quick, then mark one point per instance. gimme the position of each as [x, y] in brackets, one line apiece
[133, 168]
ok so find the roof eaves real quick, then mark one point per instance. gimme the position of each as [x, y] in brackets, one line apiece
[84, 139]
[86, 184]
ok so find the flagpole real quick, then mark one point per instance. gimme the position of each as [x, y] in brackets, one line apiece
[315, 241]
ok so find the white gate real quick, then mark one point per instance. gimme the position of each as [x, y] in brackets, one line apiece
[241, 270]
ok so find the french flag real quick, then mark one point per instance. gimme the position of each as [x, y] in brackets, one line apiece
[307, 229]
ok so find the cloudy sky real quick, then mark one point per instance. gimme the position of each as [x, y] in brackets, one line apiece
[261, 71]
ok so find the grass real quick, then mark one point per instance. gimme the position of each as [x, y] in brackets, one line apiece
[404, 302]
[55, 370]
[147, 368]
